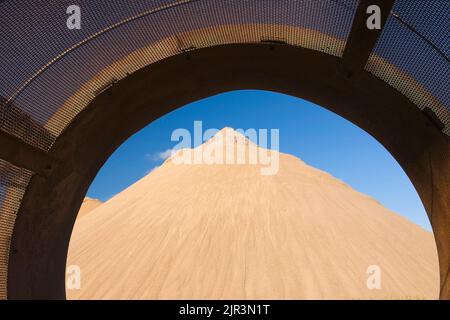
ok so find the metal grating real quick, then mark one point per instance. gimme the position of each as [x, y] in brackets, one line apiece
[20, 124]
[412, 55]
[13, 182]
[40, 70]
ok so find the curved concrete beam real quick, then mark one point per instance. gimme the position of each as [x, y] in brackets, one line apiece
[44, 223]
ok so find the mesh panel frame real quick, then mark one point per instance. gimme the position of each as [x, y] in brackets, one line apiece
[48, 96]
[412, 55]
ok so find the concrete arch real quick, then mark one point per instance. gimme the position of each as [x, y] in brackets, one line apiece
[44, 223]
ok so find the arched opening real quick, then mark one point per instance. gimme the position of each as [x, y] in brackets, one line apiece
[321, 139]
[48, 211]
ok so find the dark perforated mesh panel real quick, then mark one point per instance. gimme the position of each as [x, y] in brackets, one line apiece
[51, 73]
[13, 182]
[412, 54]
[19, 123]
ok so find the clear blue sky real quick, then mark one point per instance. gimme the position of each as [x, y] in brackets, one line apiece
[315, 135]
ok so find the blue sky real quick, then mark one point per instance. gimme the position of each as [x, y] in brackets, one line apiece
[315, 135]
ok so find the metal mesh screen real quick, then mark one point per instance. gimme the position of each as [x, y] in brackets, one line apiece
[412, 55]
[50, 73]
[13, 182]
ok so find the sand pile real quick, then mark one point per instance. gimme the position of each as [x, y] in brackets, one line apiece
[217, 231]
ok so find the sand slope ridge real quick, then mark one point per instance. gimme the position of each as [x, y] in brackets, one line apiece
[87, 206]
[227, 232]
